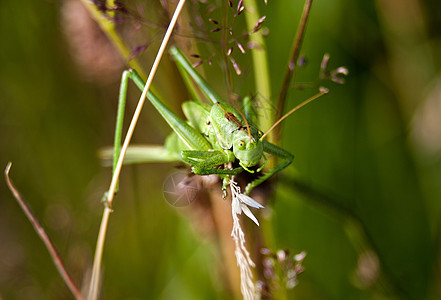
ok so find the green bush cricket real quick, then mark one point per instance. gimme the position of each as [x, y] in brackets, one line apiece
[213, 137]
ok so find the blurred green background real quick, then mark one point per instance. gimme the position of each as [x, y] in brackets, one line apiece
[364, 202]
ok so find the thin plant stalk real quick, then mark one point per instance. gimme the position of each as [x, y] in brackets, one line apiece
[93, 289]
[56, 258]
[290, 72]
[262, 82]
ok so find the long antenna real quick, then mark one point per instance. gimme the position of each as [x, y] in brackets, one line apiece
[322, 92]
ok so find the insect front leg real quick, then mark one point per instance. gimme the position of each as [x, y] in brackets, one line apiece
[185, 66]
[187, 134]
[205, 162]
[274, 150]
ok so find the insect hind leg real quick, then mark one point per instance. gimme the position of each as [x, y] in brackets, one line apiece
[205, 162]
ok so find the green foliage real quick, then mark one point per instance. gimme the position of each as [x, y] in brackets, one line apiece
[367, 165]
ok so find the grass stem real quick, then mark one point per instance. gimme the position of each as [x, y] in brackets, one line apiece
[262, 81]
[290, 72]
[93, 289]
[56, 258]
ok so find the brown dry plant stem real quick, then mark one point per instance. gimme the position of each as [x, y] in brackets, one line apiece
[290, 72]
[95, 280]
[56, 258]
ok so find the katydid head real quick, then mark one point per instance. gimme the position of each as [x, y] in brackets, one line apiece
[247, 151]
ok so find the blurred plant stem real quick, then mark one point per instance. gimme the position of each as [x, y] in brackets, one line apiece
[96, 277]
[290, 71]
[108, 27]
[404, 28]
[262, 83]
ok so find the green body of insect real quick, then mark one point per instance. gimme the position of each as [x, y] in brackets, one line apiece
[213, 137]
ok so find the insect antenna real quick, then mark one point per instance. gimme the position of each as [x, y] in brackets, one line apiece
[322, 92]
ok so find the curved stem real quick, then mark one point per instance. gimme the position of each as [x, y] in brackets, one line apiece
[44, 237]
[93, 289]
[290, 72]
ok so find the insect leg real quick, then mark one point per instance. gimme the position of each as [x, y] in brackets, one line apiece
[204, 162]
[190, 136]
[274, 150]
[184, 64]
[118, 127]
